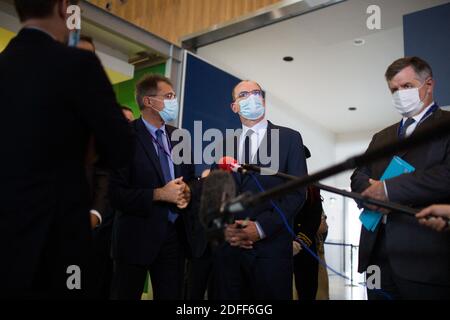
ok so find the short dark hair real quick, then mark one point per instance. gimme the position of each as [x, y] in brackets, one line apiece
[28, 9]
[87, 39]
[420, 66]
[234, 89]
[148, 86]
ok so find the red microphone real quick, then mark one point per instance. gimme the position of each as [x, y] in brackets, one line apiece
[228, 164]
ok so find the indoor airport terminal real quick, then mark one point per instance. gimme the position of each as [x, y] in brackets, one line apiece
[225, 157]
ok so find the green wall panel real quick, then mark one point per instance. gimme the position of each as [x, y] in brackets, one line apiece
[125, 90]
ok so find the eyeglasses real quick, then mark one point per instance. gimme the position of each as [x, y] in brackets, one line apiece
[167, 96]
[246, 94]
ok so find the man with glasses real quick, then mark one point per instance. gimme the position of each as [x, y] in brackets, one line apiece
[256, 260]
[150, 195]
[414, 260]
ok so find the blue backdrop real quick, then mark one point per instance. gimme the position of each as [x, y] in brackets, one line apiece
[427, 35]
[207, 98]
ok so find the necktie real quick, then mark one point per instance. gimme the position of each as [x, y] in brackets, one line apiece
[247, 156]
[405, 127]
[164, 162]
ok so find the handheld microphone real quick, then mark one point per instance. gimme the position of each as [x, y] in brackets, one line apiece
[230, 164]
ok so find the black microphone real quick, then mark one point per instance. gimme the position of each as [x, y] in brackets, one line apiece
[430, 133]
[353, 195]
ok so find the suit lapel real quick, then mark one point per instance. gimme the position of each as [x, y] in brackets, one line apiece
[419, 129]
[266, 143]
[145, 139]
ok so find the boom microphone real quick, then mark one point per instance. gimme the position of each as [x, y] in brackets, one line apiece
[437, 131]
[245, 168]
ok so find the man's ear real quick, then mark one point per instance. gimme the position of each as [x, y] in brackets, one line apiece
[430, 82]
[61, 7]
[235, 107]
[147, 101]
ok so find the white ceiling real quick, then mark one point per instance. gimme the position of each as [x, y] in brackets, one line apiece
[329, 74]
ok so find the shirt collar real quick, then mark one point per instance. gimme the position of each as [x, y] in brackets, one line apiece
[419, 117]
[257, 128]
[152, 129]
[41, 30]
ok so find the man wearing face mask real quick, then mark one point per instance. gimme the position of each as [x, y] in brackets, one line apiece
[256, 260]
[150, 195]
[414, 260]
[44, 216]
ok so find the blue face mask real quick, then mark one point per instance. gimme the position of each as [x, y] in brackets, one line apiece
[252, 108]
[170, 111]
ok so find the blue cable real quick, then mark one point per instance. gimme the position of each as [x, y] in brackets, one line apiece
[305, 246]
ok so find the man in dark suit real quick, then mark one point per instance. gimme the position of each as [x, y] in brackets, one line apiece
[414, 260]
[149, 229]
[44, 217]
[256, 260]
[101, 211]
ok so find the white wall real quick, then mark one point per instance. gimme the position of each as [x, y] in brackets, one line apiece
[319, 140]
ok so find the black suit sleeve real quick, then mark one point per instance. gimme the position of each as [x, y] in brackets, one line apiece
[360, 177]
[422, 187]
[99, 110]
[100, 191]
[127, 198]
[292, 202]
[307, 221]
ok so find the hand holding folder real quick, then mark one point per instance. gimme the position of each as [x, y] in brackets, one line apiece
[371, 219]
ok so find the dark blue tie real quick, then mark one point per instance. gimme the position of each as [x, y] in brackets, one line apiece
[405, 127]
[164, 162]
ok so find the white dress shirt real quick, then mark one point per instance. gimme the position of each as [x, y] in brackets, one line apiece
[260, 130]
[256, 138]
[418, 119]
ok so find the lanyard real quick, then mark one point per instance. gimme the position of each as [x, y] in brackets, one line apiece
[425, 117]
[161, 148]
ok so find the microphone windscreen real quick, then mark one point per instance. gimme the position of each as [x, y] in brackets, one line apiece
[218, 188]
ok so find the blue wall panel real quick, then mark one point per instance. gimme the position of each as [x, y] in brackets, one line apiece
[427, 35]
[207, 98]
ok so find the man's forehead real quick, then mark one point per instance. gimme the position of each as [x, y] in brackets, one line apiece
[164, 87]
[247, 85]
[405, 75]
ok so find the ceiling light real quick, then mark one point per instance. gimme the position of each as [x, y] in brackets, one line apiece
[359, 42]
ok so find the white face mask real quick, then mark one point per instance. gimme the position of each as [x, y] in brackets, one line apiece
[407, 102]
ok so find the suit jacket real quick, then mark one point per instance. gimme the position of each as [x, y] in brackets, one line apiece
[53, 98]
[416, 253]
[140, 224]
[278, 241]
